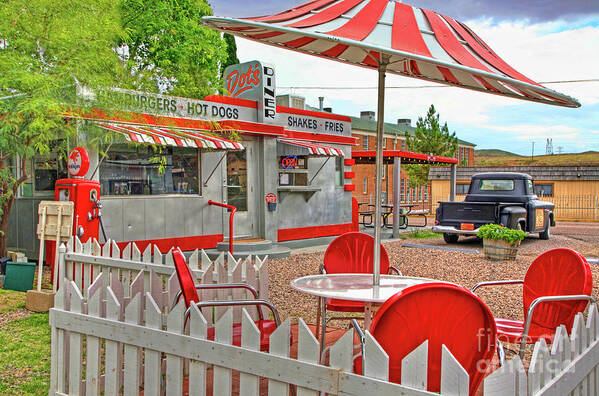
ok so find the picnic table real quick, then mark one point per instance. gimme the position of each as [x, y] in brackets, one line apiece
[387, 210]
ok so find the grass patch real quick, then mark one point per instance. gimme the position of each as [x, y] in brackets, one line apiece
[419, 235]
[11, 300]
[25, 356]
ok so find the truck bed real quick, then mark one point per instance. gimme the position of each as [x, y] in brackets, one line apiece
[455, 213]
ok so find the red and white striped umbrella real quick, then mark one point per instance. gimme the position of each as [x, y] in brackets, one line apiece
[419, 43]
[395, 37]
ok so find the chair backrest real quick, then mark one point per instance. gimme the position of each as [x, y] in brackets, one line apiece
[185, 278]
[443, 314]
[353, 253]
[554, 273]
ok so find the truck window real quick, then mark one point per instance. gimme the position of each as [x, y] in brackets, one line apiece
[496, 185]
[530, 187]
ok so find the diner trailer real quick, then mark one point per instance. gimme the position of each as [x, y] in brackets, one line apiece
[286, 178]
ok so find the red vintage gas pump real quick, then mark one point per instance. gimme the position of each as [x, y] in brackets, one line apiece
[86, 196]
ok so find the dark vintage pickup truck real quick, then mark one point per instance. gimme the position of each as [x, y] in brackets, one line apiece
[501, 198]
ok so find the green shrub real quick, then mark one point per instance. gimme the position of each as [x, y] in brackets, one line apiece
[495, 231]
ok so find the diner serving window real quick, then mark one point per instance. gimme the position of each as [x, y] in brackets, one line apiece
[293, 170]
[145, 170]
[496, 185]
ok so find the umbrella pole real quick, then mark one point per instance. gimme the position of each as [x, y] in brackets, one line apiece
[376, 273]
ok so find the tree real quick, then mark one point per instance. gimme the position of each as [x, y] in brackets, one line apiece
[429, 138]
[168, 48]
[47, 48]
[231, 57]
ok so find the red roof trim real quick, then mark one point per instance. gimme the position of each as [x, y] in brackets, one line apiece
[361, 25]
[406, 35]
[406, 154]
[316, 114]
[230, 100]
[326, 15]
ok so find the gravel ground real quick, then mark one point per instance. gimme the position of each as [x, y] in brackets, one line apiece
[465, 269]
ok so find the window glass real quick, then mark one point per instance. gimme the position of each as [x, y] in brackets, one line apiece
[365, 142]
[530, 189]
[462, 188]
[237, 180]
[543, 190]
[402, 190]
[46, 170]
[365, 186]
[339, 171]
[496, 185]
[143, 170]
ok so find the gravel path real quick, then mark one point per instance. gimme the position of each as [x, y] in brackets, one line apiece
[465, 269]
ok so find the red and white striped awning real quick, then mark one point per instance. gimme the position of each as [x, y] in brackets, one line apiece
[419, 43]
[313, 148]
[169, 136]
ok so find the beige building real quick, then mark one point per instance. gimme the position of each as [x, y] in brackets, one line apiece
[573, 189]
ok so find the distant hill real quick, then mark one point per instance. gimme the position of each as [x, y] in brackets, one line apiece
[589, 158]
[494, 153]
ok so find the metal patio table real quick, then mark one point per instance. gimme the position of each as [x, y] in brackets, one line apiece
[355, 287]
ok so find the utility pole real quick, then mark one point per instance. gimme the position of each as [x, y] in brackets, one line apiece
[532, 154]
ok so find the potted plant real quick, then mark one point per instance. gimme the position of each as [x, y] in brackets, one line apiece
[500, 243]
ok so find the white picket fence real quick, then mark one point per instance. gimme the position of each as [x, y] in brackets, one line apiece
[110, 339]
[152, 271]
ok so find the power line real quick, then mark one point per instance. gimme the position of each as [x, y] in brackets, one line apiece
[435, 86]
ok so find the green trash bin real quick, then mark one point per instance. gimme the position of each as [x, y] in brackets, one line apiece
[19, 276]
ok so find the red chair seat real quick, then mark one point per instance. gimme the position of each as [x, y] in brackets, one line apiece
[509, 330]
[443, 314]
[266, 327]
[337, 305]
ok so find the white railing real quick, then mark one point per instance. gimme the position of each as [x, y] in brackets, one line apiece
[152, 271]
[106, 343]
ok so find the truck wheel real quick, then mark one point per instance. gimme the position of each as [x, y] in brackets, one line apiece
[450, 238]
[545, 234]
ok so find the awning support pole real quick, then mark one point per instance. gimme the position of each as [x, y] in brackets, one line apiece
[396, 195]
[318, 171]
[377, 173]
[452, 179]
[214, 170]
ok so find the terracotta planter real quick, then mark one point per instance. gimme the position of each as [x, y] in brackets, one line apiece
[498, 249]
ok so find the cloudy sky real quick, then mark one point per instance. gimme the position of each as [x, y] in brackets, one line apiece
[546, 40]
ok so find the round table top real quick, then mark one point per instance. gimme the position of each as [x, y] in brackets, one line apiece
[355, 287]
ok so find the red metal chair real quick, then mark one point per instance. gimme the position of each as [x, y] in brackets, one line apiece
[557, 285]
[189, 291]
[351, 252]
[443, 314]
